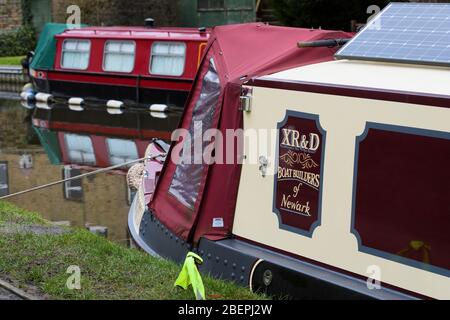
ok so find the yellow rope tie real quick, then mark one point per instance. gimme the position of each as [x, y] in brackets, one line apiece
[190, 275]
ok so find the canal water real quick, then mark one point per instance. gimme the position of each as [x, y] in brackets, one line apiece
[42, 143]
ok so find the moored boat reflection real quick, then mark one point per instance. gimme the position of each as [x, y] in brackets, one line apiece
[59, 143]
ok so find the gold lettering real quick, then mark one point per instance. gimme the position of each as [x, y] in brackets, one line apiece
[285, 140]
[308, 177]
[292, 138]
[295, 136]
[314, 141]
[301, 208]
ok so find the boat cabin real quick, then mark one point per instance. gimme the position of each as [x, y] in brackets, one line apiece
[132, 65]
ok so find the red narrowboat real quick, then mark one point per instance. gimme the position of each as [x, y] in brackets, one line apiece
[136, 66]
[335, 182]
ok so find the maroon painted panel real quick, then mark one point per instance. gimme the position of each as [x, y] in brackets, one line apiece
[298, 177]
[421, 98]
[402, 199]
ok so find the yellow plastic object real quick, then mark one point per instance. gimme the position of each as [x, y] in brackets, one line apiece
[190, 275]
[416, 245]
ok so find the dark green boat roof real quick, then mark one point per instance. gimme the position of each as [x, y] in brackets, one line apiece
[44, 54]
[49, 140]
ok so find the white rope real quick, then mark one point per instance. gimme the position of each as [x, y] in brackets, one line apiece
[80, 176]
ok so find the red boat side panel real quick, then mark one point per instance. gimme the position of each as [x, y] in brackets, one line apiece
[100, 150]
[141, 146]
[142, 57]
[100, 129]
[121, 80]
[402, 195]
[62, 145]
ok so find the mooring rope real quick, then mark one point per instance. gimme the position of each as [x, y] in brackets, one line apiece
[117, 166]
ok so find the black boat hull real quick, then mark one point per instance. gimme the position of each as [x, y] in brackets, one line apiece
[101, 93]
[250, 265]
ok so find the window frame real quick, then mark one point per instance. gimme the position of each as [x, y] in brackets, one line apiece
[200, 9]
[69, 149]
[108, 147]
[151, 58]
[63, 51]
[105, 52]
[67, 187]
[5, 163]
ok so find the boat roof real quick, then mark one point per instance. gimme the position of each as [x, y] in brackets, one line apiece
[234, 55]
[423, 79]
[136, 33]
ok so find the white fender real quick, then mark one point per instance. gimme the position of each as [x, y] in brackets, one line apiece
[75, 107]
[76, 101]
[158, 108]
[114, 111]
[159, 115]
[114, 104]
[43, 97]
[42, 105]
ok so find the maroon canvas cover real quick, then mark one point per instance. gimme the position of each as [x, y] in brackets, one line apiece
[196, 201]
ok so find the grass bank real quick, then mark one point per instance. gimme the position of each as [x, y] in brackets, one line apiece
[108, 270]
[11, 61]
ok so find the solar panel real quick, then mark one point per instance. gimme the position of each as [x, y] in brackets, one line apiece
[406, 33]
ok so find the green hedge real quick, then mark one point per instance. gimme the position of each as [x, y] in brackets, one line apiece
[17, 42]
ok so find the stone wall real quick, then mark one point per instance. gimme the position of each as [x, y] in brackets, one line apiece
[14, 132]
[10, 14]
[118, 12]
[104, 202]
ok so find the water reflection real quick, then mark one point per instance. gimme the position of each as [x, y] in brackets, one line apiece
[11, 86]
[46, 143]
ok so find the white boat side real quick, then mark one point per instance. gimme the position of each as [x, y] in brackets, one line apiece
[345, 120]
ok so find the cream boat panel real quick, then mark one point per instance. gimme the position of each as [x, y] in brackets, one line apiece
[343, 119]
[386, 76]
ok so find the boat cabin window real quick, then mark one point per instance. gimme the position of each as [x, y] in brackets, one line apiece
[168, 58]
[210, 4]
[73, 189]
[186, 181]
[75, 54]
[119, 56]
[80, 149]
[121, 151]
[4, 188]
